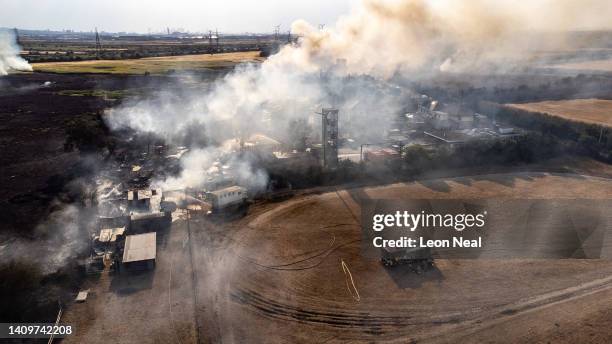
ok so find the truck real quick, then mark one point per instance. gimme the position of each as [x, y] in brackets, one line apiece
[418, 259]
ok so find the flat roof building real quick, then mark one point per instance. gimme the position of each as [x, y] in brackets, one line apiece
[140, 251]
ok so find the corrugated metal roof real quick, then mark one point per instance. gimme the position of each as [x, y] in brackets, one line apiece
[140, 247]
[229, 189]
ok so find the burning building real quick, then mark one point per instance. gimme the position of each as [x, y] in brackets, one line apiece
[145, 200]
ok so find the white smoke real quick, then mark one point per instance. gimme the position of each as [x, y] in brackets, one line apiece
[61, 240]
[9, 54]
[202, 166]
[380, 38]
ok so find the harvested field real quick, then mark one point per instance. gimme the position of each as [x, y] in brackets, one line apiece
[153, 65]
[596, 111]
[594, 66]
[292, 269]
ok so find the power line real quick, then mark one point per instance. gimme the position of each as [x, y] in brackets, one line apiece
[98, 45]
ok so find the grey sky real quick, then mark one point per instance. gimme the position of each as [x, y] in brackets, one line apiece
[192, 15]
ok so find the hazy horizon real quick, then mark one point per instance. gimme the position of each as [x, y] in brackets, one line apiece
[239, 16]
[139, 16]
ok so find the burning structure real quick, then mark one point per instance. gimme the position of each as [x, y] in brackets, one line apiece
[145, 200]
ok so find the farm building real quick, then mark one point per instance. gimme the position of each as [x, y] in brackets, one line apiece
[139, 252]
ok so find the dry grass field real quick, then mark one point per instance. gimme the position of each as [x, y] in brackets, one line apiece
[293, 272]
[597, 65]
[280, 274]
[153, 65]
[596, 111]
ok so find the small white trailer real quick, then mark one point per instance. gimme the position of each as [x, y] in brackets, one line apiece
[227, 199]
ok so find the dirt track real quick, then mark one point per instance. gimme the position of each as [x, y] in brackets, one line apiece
[277, 275]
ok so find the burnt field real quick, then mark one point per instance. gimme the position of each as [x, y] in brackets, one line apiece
[379, 171]
[37, 112]
[58, 47]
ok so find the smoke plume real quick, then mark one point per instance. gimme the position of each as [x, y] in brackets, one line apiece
[61, 241]
[345, 66]
[382, 37]
[9, 54]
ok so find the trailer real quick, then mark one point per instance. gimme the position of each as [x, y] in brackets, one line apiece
[228, 200]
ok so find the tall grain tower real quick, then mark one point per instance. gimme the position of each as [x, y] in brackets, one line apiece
[330, 137]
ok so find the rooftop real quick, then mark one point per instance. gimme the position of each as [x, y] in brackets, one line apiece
[140, 247]
[229, 189]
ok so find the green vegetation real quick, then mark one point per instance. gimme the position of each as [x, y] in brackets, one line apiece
[528, 148]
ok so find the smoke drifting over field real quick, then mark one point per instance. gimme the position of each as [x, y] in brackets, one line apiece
[382, 37]
[9, 54]
[379, 39]
[62, 240]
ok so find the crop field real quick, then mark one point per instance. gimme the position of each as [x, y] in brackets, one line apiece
[152, 65]
[595, 111]
[295, 268]
[595, 66]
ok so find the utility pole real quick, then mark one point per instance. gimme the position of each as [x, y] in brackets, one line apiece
[217, 38]
[210, 42]
[16, 36]
[276, 32]
[98, 45]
